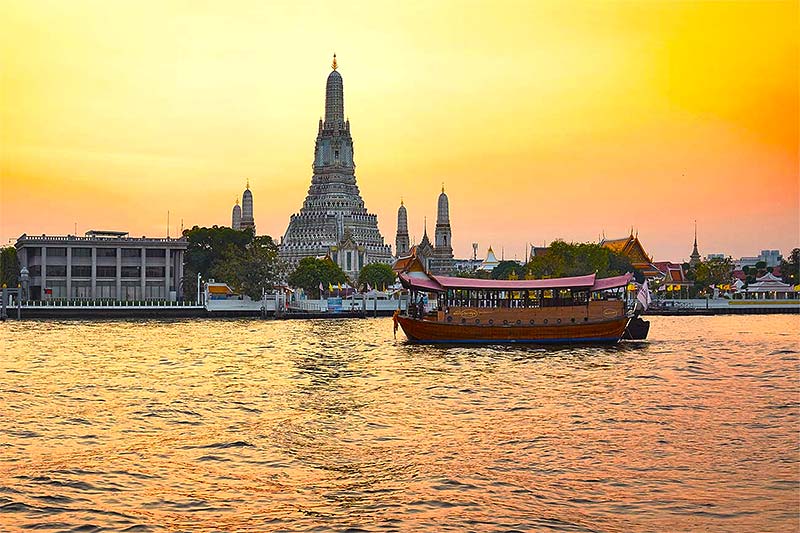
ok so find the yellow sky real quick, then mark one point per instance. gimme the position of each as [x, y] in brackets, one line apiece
[545, 120]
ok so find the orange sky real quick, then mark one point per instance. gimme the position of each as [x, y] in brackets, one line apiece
[545, 120]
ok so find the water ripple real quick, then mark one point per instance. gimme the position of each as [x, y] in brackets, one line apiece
[247, 425]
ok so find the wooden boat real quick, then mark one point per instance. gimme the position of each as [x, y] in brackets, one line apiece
[579, 309]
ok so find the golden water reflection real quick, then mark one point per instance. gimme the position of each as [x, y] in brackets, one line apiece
[243, 425]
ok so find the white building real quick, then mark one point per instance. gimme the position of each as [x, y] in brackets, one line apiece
[102, 265]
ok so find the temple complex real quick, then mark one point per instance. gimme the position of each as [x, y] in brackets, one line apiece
[242, 216]
[437, 257]
[333, 220]
[631, 248]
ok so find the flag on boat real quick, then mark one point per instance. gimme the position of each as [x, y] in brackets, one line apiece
[321, 288]
[643, 296]
[330, 287]
[340, 286]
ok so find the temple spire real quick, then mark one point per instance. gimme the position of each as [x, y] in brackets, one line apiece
[334, 65]
[694, 259]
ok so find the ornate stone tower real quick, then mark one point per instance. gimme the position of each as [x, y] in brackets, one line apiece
[236, 216]
[402, 244]
[694, 259]
[247, 209]
[333, 219]
[442, 262]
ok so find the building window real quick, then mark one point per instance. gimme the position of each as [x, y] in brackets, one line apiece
[58, 288]
[131, 271]
[155, 252]
[34, 252]
[154, 291]
[57, 270]
[81, 271]
[56, 252]
[106, 290]
[131, 252]
[35, 270]
[106, 271]
[81, 252]
[130, 291]
[155, 272]
[106, 252]
[81, 289]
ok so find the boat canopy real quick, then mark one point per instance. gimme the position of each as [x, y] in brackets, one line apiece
[430, 283]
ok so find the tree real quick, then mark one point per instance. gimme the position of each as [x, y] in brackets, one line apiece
[475, 274]
[378, 275]
[790, 269]
[562, 259]
[504, 269]
[9, 267]
[310, 272]
[713, 272]
[207, 249]
[252, 271]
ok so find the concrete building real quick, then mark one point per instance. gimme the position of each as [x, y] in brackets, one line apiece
[102, 265]
[333, 220]
[772, 258]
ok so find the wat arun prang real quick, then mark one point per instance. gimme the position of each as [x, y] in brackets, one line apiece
[333, 220]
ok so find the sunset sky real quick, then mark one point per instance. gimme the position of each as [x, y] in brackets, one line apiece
[545, 120]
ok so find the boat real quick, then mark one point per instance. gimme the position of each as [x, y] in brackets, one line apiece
[580, 309]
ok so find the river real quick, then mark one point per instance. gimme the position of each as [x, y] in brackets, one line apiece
[250, 425]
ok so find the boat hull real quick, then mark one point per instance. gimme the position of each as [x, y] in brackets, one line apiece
[429, 331]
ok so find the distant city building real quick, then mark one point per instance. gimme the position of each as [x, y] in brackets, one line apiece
[709, 257]
[333, 220]
[236, 216]
[102, 265]
[772, 258]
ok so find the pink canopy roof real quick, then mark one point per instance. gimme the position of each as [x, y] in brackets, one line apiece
[433, 283]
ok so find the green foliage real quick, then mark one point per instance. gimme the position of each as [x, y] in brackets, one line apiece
[475, 274]
[790, 268]
[252, 270]
[310, 272]
[564, 259]
[504, 269]
[247, 263]
[714, 272]
[9, 267]
[378, 275]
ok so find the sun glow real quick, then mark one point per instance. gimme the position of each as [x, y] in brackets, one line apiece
[544, 119]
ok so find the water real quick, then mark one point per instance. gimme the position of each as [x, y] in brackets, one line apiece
[243, 425]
